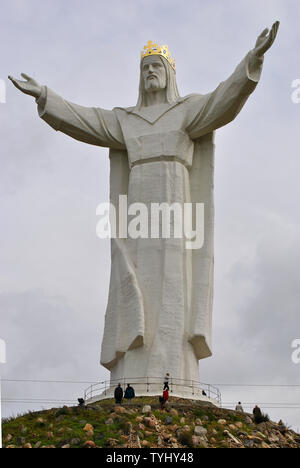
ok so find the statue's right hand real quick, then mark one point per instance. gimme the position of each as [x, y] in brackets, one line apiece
[29, 86]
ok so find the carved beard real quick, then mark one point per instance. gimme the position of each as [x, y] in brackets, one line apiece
[154, 83]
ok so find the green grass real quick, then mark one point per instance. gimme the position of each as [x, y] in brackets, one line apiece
[67, 424]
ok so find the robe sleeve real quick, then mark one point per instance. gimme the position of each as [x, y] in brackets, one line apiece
[87, 124]
[214, 110]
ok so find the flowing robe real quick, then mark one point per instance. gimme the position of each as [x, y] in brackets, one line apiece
[159, 309]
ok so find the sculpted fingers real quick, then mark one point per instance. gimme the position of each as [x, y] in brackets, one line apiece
[275, 28]
[276, 25]
[273, 34]
[264, 33]
[266, 39]
[17, 83]
[26, 77]
[12, 79]
[29, 86]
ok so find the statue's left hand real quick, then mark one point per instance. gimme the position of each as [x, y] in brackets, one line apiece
[30, 86]
[265, 40]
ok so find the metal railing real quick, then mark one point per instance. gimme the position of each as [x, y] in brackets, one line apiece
[150, 385]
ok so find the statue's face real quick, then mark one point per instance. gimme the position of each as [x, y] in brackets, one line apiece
[154, 74]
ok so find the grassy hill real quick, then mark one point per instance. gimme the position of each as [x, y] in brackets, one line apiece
[184, 424]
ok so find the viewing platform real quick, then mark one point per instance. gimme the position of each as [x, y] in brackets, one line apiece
[153, 386]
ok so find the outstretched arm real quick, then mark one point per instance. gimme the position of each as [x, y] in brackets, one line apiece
[90, 125]
[214, 110]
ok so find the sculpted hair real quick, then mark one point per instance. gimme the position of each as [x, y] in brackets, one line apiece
[172, 90]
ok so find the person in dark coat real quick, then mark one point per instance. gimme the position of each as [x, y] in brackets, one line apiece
[81, 403]
[119, 394]
[166, 381]
[129, 393]
[258, 416]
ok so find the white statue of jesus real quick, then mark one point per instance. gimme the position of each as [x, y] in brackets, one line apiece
[160, 301]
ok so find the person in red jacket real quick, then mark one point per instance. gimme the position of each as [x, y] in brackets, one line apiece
[163, 399]
[166, 395]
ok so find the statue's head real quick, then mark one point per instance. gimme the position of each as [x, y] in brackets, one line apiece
[157, 72]
[154, 74]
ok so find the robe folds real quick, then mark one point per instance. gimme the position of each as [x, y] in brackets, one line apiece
[159, 313]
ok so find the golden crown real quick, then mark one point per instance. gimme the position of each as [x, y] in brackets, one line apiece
[153, 49]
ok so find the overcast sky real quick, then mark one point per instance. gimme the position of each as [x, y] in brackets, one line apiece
[54, 272]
